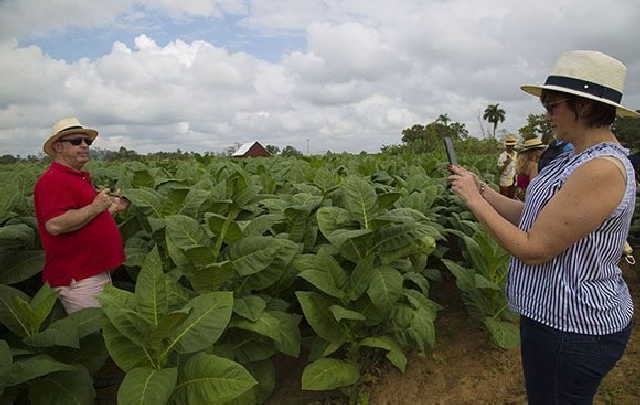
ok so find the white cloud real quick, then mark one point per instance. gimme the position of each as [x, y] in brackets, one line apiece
[368, 69]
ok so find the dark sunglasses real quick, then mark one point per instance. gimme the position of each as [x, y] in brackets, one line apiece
[78, 141]
[550, 106]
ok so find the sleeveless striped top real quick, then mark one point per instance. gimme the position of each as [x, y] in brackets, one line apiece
[581, 290]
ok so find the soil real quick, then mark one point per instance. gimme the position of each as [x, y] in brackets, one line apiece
[465, 368]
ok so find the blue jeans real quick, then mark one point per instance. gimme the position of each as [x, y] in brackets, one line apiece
[562, 368]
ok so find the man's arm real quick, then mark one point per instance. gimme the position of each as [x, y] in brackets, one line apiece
[75, 219]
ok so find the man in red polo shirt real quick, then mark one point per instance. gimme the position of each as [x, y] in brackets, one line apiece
[80, 237]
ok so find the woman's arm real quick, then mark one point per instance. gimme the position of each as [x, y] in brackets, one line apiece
[587, 198]
[509, 208]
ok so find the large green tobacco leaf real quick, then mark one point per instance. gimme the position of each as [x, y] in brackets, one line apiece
[15, 236]
[324, 272]
[316, 311]
[42, 303]
[264, 223]
[211, 277]
[193, 202]
[63, 388]
[265, 373]
[151, 292]
[147, 386]
[385, 287]
[331, 219]
[147, 198]
[361, 277]
[254, 254]
[328, 374]
[69, 330]
[360, 199]
[10, 313]
[119, 307]
[210, 314]
[394, 352]
[33, 367]
[279, 326]
[126, 354]
[6, 360]
[216, 224]
[465, 278]
[504, 334]
[209, 379]
[339, 313]
[185, 232]
[17, 266]
[63, 332]
[250, 307]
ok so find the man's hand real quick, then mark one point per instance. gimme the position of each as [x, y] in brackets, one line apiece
[102, 200]
[118, 203]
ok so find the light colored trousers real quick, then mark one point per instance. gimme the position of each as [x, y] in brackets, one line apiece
[82, 294]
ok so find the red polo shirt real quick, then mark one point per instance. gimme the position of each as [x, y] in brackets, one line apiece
[92, 249]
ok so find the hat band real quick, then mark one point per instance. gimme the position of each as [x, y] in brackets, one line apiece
[585, 86]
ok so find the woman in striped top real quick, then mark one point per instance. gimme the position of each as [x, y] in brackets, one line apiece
[566, 238]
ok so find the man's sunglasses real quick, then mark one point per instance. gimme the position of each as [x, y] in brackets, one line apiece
[78, 141]
[550, 106]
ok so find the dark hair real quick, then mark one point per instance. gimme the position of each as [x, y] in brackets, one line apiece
[597, 116]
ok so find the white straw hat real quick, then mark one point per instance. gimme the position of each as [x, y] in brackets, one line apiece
[63, 127]
[588, 74]
[533, 143]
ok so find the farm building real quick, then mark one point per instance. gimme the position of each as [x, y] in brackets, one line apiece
[252, 149]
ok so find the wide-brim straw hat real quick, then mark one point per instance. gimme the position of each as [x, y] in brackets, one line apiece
[64, 127]
[510, 140]
[588, 74]
[533, 143]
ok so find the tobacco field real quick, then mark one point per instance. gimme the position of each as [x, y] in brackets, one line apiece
[232, 264]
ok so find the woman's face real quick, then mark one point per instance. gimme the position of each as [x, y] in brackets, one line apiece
[561, 117]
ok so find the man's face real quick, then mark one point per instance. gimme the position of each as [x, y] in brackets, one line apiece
[73, 150]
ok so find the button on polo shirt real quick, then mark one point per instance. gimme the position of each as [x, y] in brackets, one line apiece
[75, 255]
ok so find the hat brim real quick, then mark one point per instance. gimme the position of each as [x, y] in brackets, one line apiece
[48, 145]
[620, 109]
[526, 148]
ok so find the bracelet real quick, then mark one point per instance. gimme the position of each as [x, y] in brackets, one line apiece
[482, 188]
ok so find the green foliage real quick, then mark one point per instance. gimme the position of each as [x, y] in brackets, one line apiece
[537, 127]
[231, 257]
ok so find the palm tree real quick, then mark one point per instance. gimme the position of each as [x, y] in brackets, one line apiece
[494, 114]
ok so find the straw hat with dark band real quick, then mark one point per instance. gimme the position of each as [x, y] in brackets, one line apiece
[588, 74]
[65, 127]
[533, 143]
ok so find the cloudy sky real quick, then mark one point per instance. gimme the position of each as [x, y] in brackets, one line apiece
[347, 75]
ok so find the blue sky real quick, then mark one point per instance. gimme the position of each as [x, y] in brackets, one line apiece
[203, 75]
[72, 43]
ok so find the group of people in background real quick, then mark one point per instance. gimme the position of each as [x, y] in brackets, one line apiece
[517, 168]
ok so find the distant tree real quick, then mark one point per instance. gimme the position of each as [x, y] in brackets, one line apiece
[426, 138]
[494, 115]
[627, 131]
[537, 127]
[274, 150]
[8, 159]
[290, 151]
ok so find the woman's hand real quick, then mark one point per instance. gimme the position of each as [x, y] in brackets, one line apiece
[464, 183]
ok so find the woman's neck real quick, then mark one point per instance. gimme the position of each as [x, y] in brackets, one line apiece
[593, 136]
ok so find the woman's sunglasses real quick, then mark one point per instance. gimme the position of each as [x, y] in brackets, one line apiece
[550, 106]
[78, 141]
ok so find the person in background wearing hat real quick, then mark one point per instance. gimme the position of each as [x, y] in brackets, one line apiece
[527, 164]
[507, 167]
[566, 239]
[81, 240]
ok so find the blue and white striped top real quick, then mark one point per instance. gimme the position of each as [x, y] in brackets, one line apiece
[581, 290]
